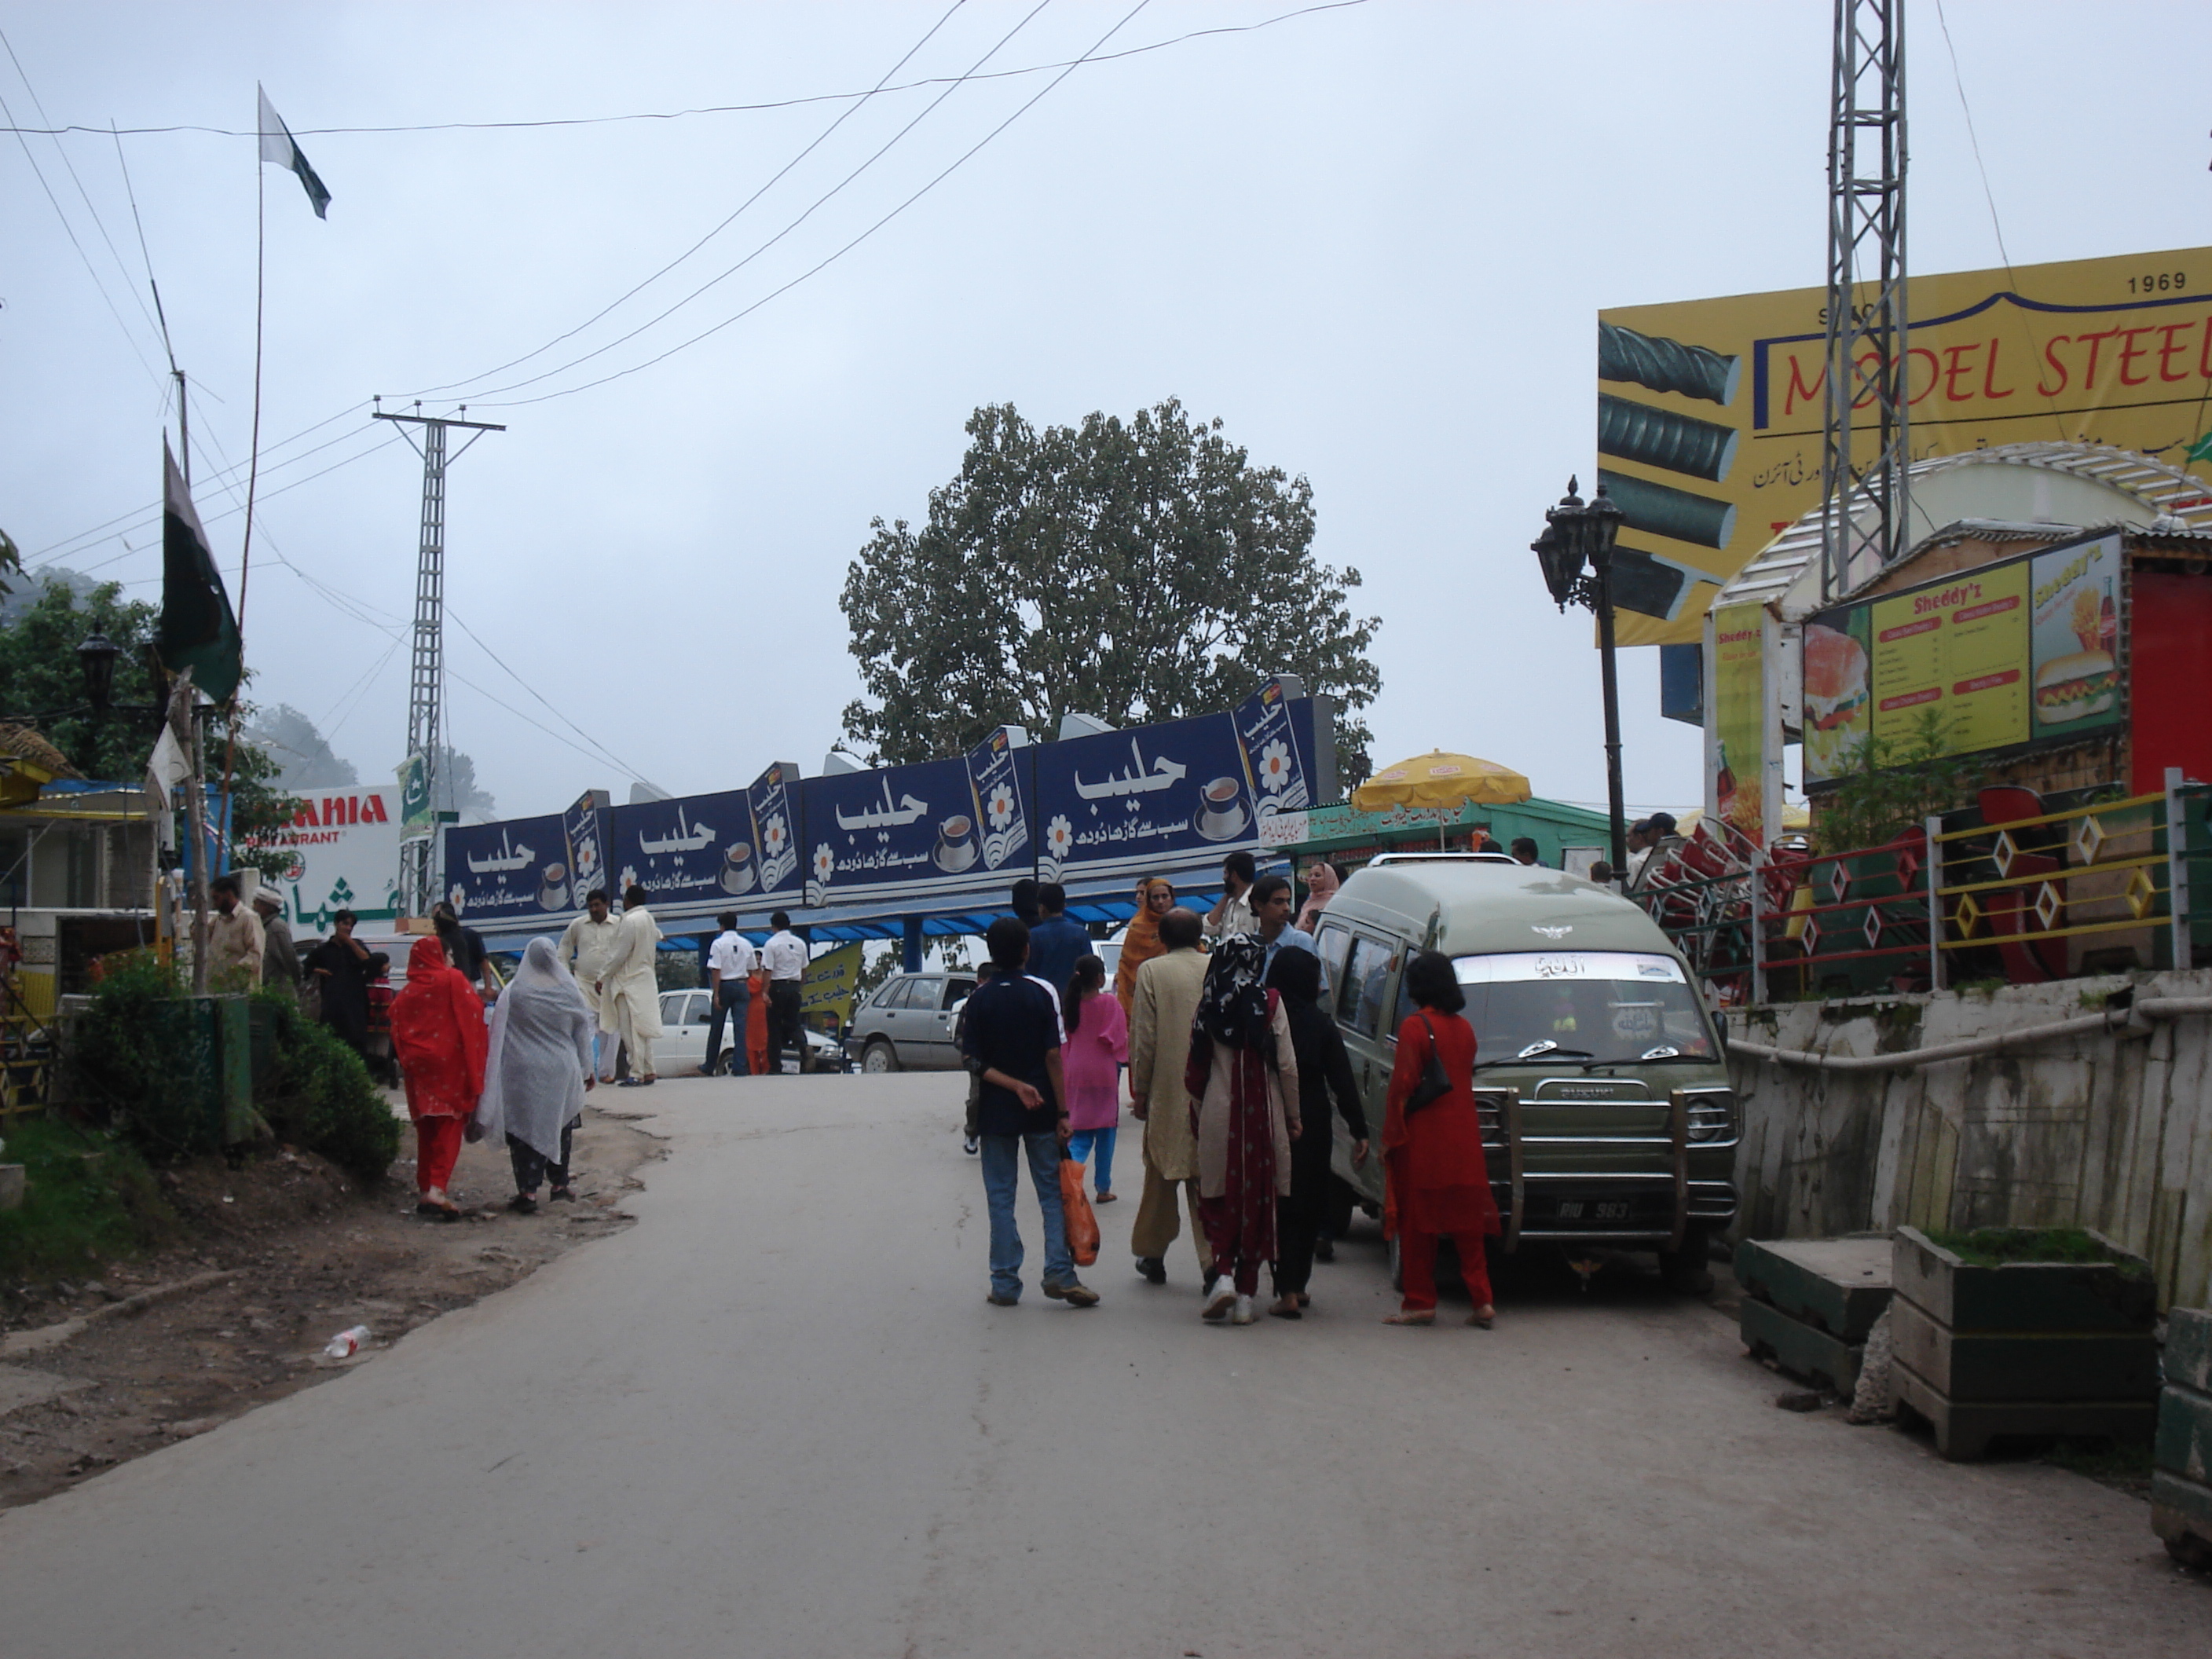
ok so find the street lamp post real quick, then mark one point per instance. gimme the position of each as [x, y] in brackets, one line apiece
[1575, 535]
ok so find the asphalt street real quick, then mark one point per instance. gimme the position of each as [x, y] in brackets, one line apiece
[777, 1417]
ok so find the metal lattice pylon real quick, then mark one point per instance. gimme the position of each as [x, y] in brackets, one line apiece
[1864, 500]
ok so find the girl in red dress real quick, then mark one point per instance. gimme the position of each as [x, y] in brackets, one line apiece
[1436, 1181]
[438, 1033]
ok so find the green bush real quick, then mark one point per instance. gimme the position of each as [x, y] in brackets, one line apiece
[88, 1197]
[314, 1091]
[135, 1062]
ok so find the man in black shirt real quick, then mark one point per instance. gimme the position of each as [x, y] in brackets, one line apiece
[1011, 1042]
[464, 948]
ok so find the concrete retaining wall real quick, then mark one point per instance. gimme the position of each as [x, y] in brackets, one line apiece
[2106, 1130]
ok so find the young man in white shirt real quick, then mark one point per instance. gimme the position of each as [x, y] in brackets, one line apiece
[587, 945]
[1233, 916]
[784, 956]
[729, 960]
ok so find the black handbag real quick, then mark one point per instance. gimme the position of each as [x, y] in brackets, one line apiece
[1434, 1084]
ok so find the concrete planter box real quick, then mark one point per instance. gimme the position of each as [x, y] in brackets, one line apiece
[2181, 1472]
[2026, 1348]
[1808, 1304]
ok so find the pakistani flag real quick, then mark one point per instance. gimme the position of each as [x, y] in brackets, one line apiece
[198, 630]
[277, 146]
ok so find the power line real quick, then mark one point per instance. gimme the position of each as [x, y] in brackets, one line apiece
[820, 138]
[684, 345]
[711, 109]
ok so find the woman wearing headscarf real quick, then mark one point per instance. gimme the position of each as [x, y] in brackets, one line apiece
[1243, 1078]
[539, 1070]
[1141, 940]
[438, 1035]
[1321, 883]
[1324, 1069]
[1435, 1179]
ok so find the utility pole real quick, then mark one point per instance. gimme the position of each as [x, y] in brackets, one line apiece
[426, 680]
[1867, 365]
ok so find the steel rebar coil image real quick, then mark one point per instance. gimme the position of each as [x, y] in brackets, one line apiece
[1663, 510]
[1659, 437]
[1666, 365]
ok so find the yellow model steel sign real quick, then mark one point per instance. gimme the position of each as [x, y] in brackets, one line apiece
[1710, 411]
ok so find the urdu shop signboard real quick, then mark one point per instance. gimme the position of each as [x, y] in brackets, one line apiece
[2017, 654]
[345, 848]
[1710, 411]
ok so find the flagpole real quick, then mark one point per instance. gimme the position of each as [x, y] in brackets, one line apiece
[253, 458]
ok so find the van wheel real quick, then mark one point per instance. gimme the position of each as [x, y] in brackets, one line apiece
[880, 1058]
[1342, 1201]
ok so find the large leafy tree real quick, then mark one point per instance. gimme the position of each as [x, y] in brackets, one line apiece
[1133, 570]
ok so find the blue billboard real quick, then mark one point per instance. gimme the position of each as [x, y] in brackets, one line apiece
[698, 848]
[518, 870]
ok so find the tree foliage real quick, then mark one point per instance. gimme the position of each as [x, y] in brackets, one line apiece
[1133, 570]
[1896, 784]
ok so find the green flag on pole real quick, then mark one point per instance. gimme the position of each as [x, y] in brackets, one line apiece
[278, 145]
[198, 630]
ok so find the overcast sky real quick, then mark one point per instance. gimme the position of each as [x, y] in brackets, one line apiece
[1371, 239]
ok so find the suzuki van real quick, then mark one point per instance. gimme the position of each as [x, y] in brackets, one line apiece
[1608, 1117]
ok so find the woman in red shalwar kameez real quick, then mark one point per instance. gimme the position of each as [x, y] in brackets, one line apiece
[439, 1038]
[1437, 1182]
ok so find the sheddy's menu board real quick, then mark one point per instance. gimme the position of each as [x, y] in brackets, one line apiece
[2005, 656]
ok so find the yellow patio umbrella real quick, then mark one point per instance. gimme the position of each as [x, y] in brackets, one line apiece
[1437, 779]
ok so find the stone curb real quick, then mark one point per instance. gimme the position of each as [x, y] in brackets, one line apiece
[17, 1344]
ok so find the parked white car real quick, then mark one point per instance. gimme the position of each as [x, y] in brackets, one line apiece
[686, 1014]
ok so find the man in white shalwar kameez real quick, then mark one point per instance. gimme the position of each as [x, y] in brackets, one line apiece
[629, 993]
[592, 941]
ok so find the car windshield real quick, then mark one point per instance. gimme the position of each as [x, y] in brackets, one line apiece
[1602, 1006]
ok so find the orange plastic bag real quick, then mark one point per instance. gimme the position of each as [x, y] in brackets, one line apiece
[1082, 1221]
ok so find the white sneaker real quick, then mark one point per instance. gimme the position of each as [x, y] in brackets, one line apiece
[1244, 1314]
[1220, 1297]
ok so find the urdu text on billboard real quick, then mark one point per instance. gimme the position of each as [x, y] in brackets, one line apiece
[1710, 410]
[344, 847]
[2017, 654]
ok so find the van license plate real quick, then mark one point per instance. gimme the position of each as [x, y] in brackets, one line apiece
[1596, 1209]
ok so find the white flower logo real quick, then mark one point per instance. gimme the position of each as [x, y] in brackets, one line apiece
[1001, 809]
[1060, 836]
[774, 834]
[1275, 768]
[825, 864]
[459, 896]
[629, 877]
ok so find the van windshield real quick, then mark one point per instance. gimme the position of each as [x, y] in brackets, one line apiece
[1608, 1006]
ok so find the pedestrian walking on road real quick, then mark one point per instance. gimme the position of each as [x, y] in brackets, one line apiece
[784, 956]
[1232, 915]
[280, 957]
[1324, 1069]
[1243, 1077]
[537, 1072]
[1165, 1004]
[1013, 1038]
[756, 1019]
[233, 939]
[464, 948]
[339, 967]
[629, 990]
[1321, 881]
[1055, 942]
[383, 1063]
[587, 945]
[438, 1033]
[1271, 921]
[1435, 1179]
[1141, 940]
[974, 1143]
[730, 963]
[1098, 1048]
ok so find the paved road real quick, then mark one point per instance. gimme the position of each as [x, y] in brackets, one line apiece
[778, 1419]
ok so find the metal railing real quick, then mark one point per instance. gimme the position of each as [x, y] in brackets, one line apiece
[2015, 899]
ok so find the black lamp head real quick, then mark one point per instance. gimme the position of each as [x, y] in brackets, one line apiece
[95, 658]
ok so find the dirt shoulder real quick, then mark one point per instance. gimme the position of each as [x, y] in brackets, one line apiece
[283, 1254]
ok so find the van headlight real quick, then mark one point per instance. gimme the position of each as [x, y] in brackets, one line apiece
[1711, 1116]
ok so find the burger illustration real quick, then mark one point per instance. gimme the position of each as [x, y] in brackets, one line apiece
[2074, 686]
[1835, 697]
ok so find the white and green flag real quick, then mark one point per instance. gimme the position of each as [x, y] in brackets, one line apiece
[277, 146]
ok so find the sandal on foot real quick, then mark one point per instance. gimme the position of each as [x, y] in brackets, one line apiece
[523, 1204]
[1483, 1322]
[1285, 1307]
[1402, 1317]
[563, 1195]
[1103, 1198]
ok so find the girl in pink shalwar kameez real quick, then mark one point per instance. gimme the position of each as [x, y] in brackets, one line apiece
[1097, 1048]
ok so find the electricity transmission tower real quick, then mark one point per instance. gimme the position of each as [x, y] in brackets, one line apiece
[1867, 365]
[426, 680]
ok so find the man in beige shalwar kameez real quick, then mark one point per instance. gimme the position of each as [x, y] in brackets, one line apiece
[1162, 1005]
[629, 991]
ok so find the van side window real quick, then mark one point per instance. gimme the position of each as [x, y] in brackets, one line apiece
[1366, 984]
[1331, 945]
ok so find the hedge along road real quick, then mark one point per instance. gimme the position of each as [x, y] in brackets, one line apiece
[777, 1417]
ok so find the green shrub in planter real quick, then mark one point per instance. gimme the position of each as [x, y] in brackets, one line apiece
[141, 1058]
[315, 1092]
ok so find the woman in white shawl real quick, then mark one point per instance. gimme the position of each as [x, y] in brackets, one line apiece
[539, 1067]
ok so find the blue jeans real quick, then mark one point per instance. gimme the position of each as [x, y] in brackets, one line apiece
[1078, 1148]
[733, 1001]
[1001, 1158]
